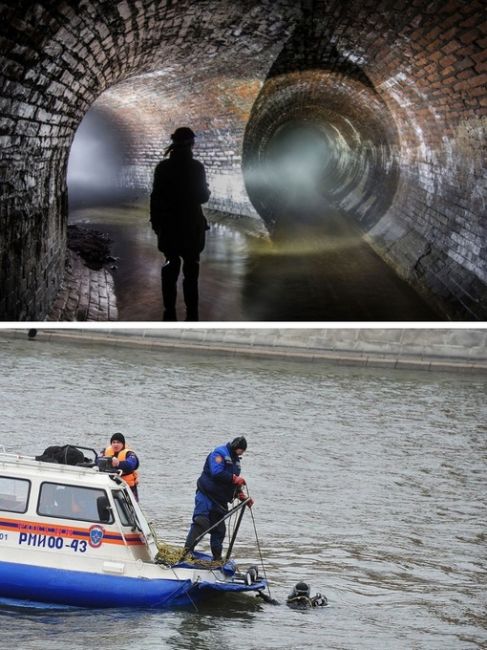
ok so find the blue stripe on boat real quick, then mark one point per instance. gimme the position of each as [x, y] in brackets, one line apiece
[83, 589]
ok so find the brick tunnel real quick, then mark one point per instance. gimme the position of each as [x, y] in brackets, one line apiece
[383, 104]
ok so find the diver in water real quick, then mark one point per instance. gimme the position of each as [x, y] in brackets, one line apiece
[300, 598]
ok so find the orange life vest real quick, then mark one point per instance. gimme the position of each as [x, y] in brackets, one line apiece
[133, 477]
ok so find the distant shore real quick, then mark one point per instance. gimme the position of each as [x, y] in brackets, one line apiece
[434, 349]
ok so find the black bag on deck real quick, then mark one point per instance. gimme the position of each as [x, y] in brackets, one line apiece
[65, 455]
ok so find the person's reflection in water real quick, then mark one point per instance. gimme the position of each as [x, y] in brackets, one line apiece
[176, 216]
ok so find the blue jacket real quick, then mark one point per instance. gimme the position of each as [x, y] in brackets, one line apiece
[216, 479]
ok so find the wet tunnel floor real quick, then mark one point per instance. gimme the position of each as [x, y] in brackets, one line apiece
[337, 277]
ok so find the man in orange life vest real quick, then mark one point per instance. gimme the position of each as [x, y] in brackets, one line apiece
[124, 459]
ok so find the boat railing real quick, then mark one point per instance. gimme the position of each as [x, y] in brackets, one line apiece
[13, 458]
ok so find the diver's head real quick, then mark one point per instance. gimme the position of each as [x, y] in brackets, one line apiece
[301, 589]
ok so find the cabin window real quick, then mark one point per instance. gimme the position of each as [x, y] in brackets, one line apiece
[14, 494]
[73, 502]
[125, 509]
[121, 508]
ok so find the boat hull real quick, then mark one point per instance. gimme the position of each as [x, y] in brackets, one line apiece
[83, 589]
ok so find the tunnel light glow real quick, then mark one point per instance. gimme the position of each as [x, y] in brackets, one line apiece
[95, 156]
[90, 165]
[306, 245]
[297, 161]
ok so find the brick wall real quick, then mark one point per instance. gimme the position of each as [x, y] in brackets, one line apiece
[402, 84]
[411, 79]
[217, 110]
[57, 58]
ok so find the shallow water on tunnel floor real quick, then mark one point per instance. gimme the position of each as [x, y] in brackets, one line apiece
[244, 278]
[369, 484]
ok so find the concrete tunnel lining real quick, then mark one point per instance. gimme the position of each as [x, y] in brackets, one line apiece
[216, 63]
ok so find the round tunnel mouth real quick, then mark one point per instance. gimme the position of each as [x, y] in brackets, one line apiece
[318, 142]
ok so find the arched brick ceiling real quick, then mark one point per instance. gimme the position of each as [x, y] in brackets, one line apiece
[153, 105]
[402, 88]
[58, 58]
[411, 81]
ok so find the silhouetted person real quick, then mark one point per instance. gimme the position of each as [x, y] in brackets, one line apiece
[176, 216]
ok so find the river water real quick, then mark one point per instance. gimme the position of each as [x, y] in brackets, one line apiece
[369, 484]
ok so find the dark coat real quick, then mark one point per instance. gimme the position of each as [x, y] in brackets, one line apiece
[216, 478]
[176, 216]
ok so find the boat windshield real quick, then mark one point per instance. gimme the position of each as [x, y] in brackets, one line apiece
[125, 509]
[74, 502]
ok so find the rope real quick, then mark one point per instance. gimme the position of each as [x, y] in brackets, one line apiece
[260, 552]
[170, 555]
[302, 600]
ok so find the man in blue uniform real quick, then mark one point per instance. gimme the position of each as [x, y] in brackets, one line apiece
[219, 483]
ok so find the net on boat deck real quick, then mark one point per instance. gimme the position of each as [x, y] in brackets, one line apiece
[170, 555]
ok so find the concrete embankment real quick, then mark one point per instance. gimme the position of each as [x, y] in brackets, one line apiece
[438, 349]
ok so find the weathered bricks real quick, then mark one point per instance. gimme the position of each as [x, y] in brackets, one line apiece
[410, 81]
[85, 294]
[434, 88]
